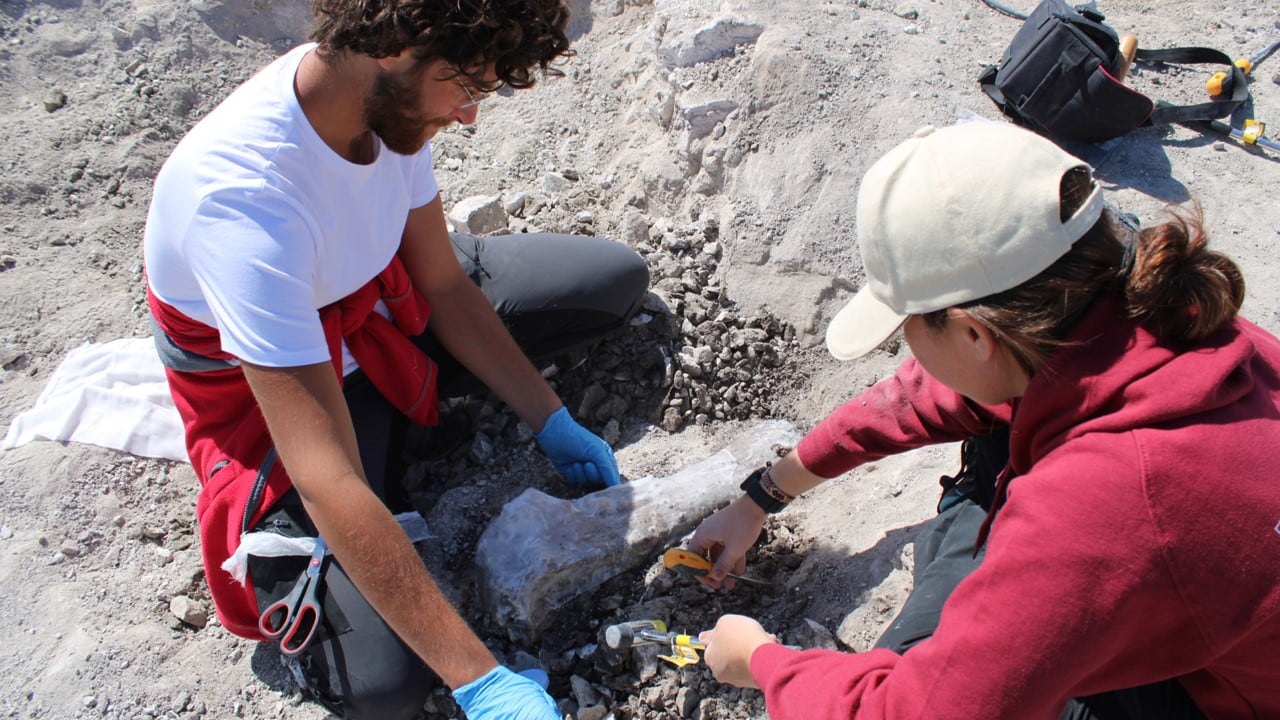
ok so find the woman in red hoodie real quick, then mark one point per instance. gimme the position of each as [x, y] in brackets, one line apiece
[1112, 547]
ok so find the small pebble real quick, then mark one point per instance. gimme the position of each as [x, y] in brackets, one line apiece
[55, 100]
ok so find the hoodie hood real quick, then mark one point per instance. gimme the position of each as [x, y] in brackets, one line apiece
[1113, 376]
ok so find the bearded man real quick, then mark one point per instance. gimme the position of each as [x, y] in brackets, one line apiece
[309, 302]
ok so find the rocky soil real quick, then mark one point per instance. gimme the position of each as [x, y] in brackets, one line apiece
[721, 140]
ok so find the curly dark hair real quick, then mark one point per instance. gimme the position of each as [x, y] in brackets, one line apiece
[515, 36]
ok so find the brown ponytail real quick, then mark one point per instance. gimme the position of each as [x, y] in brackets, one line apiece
[1179, 289]
[1170, 281]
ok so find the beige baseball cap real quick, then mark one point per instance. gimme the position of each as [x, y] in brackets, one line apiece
[953, 215]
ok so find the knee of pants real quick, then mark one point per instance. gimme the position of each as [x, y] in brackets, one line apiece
[370, 671]
[386, 691]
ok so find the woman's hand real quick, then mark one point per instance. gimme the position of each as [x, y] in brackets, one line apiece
[729, 647]
[725, 538]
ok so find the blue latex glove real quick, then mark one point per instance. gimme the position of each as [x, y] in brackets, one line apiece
[503, 695]
[580, 456]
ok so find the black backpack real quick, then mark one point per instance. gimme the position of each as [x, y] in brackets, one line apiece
[1059, 77]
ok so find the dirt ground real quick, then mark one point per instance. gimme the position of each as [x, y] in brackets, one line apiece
[721, 140]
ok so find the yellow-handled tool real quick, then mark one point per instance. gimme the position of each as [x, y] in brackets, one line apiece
[688, 563]
[683, 648]
[1128, 50]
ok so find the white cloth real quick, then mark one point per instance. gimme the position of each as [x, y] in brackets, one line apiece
[110, 394]
[256, 223]
[264, 543]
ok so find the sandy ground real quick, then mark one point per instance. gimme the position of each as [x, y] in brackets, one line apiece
[656, 132]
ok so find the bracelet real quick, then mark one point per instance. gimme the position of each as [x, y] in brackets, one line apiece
[759, 486]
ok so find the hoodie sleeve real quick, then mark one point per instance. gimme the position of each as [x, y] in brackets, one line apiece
[1072, 599]
[903, 412]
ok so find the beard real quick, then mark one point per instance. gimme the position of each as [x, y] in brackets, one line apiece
[390, 111]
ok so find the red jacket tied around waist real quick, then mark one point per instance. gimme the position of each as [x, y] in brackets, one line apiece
[227, 437]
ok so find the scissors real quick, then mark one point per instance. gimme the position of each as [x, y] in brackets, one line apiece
[294, 619]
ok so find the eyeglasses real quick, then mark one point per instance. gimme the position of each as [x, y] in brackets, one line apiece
[473, 99]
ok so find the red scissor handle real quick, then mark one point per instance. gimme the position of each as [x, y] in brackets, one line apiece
[304, 623]
[294, 619]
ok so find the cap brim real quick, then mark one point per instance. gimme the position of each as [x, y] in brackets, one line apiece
[861, 326]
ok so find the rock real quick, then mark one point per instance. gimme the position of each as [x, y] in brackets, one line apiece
[481, 449]
[685, 47]
[687, 700]
[189, 611]
[583, 692]
[555, 183]
[533, 558]
[514, 204]
[663, 107]
[635, 230]
[906, 12]
[611, 432]
[655, 303]
[62, 41]
[689, 366]
[55, 100]
[654, 696]
[704, 117]
[593, 712]
[814, 634]
[153, 532]
[478, 215]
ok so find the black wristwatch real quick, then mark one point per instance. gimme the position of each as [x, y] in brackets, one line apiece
[760, 488]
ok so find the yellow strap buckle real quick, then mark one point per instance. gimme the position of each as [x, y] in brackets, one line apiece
[682, 651]
[1252, 132]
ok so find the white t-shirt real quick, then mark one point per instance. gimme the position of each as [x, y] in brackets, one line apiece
[256, 224]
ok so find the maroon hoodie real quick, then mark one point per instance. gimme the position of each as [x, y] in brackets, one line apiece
[1139, 542]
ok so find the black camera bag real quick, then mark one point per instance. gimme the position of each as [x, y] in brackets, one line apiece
[1059, 78]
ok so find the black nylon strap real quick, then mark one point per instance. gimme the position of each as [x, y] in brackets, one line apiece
[1236, 84]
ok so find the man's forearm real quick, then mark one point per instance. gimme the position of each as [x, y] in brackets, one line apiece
[312, 429]
[464, 321]
[380, 560]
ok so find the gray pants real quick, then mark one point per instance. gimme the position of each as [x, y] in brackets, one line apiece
[944, 556]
